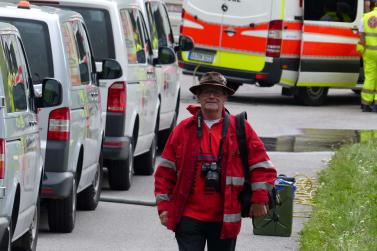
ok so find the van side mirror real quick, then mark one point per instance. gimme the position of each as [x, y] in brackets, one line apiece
[52, 93]
[184, 44]
[165, 56]
[111, 69]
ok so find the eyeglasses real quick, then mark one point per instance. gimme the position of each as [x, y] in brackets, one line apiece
[215, 92]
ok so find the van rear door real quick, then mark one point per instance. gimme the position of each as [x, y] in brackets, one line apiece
[202, 22]
[244, 33]
[329, 38]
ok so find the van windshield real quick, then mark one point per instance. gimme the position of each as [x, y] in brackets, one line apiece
[99, 29]
[36, 40]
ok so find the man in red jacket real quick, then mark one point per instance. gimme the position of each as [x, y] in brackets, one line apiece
[201, 174]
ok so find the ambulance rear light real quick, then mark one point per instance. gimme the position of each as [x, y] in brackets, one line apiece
[274, 38]
[58, 124]
[2, 158]
[116, 99]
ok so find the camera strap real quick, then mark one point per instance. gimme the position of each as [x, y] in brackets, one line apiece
[224, 132]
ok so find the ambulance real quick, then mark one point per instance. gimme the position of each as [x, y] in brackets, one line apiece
[306, 46]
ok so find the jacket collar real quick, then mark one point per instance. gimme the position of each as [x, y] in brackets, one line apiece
[194, 110]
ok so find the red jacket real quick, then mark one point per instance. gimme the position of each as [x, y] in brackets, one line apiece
[174, 175]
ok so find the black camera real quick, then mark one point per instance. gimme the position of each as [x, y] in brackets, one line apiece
[212, 173]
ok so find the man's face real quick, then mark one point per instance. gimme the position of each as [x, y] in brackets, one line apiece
[212, 99]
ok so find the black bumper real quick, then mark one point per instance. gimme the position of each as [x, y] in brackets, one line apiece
[57, 185]
[116, 148]
[271, 73]
[4, 222]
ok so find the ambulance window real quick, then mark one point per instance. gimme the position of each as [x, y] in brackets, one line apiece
[99, 28]
[15, 83]
[331, 10]
[36, 37]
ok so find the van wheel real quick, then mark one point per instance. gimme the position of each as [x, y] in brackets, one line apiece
[28, 242]
[311, 96]
[145, 163]
[89, 198]
[233, 85]
[62, 213]
[121, 171]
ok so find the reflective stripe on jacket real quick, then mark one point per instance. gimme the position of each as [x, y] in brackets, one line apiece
[174, 175]
[370, 29]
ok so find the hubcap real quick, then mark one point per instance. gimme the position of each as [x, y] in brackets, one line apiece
[315, 92]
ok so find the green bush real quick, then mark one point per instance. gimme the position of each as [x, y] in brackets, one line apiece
[345, 207]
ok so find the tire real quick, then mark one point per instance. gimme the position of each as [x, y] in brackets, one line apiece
[89, 198]
[233, 85]
[311, 96]
[62, 213]
[121, 171]
[28, 242]
[144, 164]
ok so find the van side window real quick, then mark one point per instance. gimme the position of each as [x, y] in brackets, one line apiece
[128, 35]
[15, 81]
[147, 42]
[331, 10]
[85, 57]
[159, 25]
[137, 35]
[71, 53]
[38, 48]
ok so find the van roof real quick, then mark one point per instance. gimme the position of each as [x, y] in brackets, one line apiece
[36, 12]
[88, 3]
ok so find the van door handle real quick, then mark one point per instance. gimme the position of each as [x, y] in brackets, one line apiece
[134, 83]
[230, 32]
[355, 28]
[94, 94]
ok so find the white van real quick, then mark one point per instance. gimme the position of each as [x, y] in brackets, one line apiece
[21, 163]
[161, 34]
[130, 103]
[174, 8]
[290, 43]
[57, 45]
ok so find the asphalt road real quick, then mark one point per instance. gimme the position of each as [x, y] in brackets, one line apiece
[118, 226]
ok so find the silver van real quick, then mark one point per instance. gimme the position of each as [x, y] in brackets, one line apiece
[57, 45]
[131, 104]
[21, 164]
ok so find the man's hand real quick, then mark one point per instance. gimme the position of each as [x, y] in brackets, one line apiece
[257, 210]
[164, 218]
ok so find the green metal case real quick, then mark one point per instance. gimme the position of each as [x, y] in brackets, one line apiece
[278, 221]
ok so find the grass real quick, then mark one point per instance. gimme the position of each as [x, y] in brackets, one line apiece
[345, 206]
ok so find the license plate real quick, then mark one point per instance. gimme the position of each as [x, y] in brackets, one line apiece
[203, 57]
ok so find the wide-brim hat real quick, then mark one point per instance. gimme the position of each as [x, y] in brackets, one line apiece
[212, 79]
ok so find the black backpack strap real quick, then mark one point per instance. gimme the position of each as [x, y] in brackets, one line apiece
[242, 146]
